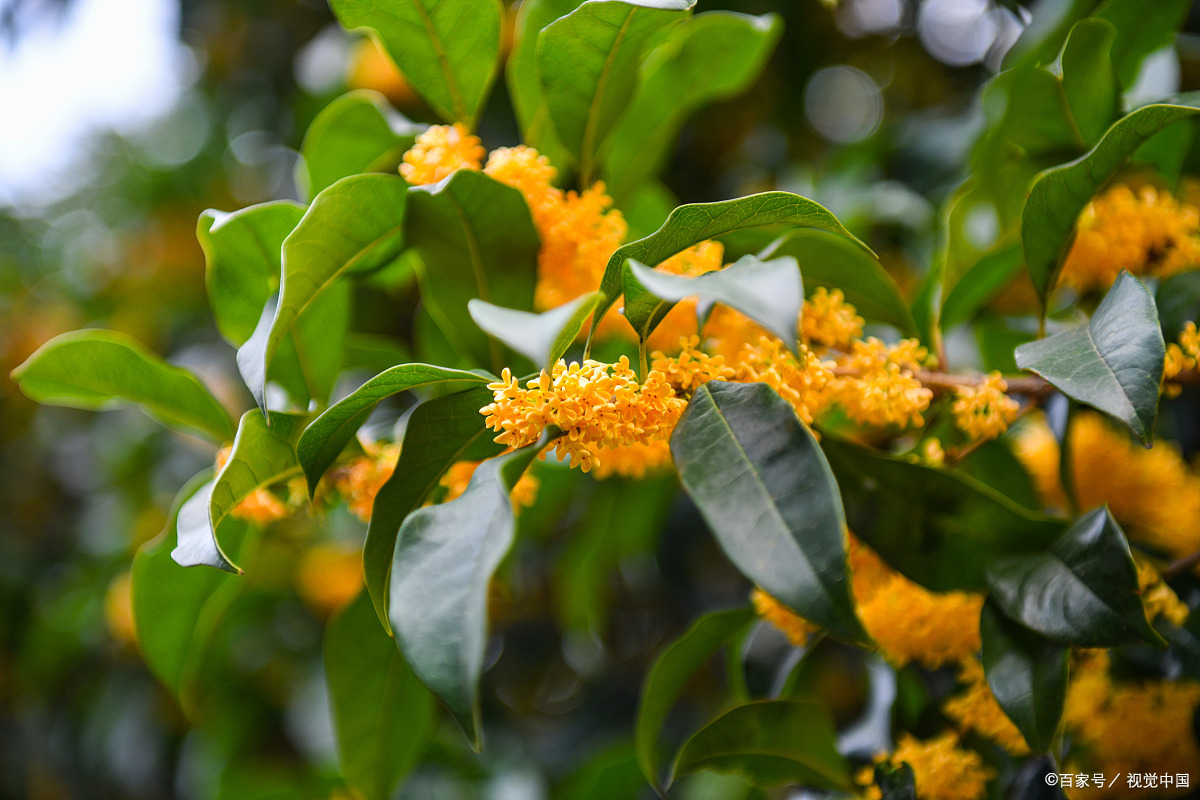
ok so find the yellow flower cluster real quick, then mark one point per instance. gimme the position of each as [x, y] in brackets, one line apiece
[440, 151]
[329, 576]
[942, 770]
[795, 627]
[976, 709]
[829, 321]
[809, 386]
[597, 406]
[260, 506]
[1182, 357]
[883, 389]
[692, 367]
[985, 411]
[523, 494]
[361, 479]
[1158, 598]
[635, 461]
[1148, 233]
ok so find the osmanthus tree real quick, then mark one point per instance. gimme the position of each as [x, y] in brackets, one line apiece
[869, 491]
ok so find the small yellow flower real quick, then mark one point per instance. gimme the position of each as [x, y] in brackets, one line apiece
[976, 709]
[795, 627]
[942, 770]
[1160, 599]
[440, 151]
[884, 390]
[807, 384]
[692, 367]
[361, 479]
[829, 321]
[985, 411]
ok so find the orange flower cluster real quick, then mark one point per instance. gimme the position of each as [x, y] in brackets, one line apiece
[808, 385]
[882, 389]
[361, 479]
[985, 411]
[329, 577]
[976, 709]
[942, 770]
[795, 627]
[1181, 357]
[456, 479]
[829, 321]
[692, 367]
[440, 151]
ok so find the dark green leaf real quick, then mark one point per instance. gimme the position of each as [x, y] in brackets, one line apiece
[542, 338]
[357, 132]
[1142, 28]
[938, 527]
[834, 262]
[994, 464]
[477, 240]
[1058, 195]
[449, 552]
[1089, 81]
[692, 224]
[770, 743]
[764, 488]
[895, 783]
[1178, 301]
[439, 433]
[706, 58]
[1083, 591]
[370, 352]
[323, 441]
[1114, 363]
[979, 284]
[383, 717]
[670, 673]
[769, 292]
[1028, 675]
[587, 64]
[97, 369]
[610, 773]
[447, 49]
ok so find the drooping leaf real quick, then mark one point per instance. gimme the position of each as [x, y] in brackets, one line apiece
[759, 479]
[834, 262]
[98, 369]
[477, 240]
[447, 49]
[692, 224]
[1028, 675]
[439, 433]
[770, 743]
[357, 132]
[769, 292]
[1083, 591]
[383, 717]
[444, 560]
[521, 73]
[1089, 81]
[542, 338]
[938, 527]
[357, 224]
[669, 674]
[1058, 195]
[1114, 363]
[705, 58]
[587, 64]
[323, 440]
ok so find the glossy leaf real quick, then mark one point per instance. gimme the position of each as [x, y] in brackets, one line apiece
[834, 262]
[477, 240]
[440, 433]
[448, 50]
[1027, 674]
[938, 527]
[357, 132]
[1089, 80]
[1114, 363]
[770, 743]
[542, 338]
[383, 718]
[691, 224]
[706, 58]
[587, 64]
[764, 488]
[1083, 591]
[669, 674]
[443, 564]
[1058, 195]
[323, 440]
[98, 369]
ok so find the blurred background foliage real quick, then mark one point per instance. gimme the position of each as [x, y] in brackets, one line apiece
[122, 121]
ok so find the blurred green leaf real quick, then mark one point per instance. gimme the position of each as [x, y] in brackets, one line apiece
[371, 352]
[610, 773]
[1142, 28]
[542, 338]
[98, 369]
[1178, 301]
[448, 50]
[1089, 81]
[1114, 363]
[357, 132]
[521, 72]
[1042, 39]
[759, 479]
[895, 783]
[989, 276]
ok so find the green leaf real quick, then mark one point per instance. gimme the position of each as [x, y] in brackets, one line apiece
[1028, 675]
[764, 488]
[769, 292]
[895, 783]
[355, 225]
[357, 132]
[243, 256]
[521, 72]
[770, 743]
[1058, 195]
[449, 552]
[669, 674]
[448, 50]
[323, 441]
[938, 527]
[1043, 38]
[383, 717]
[477, 240]
[587, 64]
[1083, 591]
[1142, 28]
[1178, 301]
[1114, 363]
[1089, 81]
[692, 224]
[440, 433]
[542, 338]
[97, 370]
[373, 352]
[706, 58]
[834, 262]
[979, 284]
